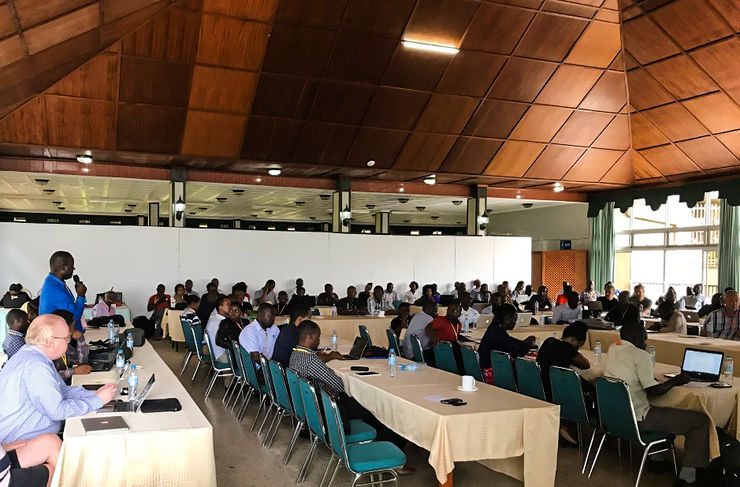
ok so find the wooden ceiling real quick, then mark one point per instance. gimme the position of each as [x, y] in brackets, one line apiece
[536, 94]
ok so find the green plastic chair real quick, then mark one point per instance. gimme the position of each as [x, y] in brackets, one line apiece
[416, 346]
[299, 413]
[238, 383]
[189, 342]
[270, 389]
[282, 400]
[219, 369]
[375, 458]
[444, 358]
[471, 363]
[617, 416]
[393, 342]
[365, 334]
[503, 371]
[568, 394]
[244, 384]
[254, 386]
[529, 379]
[203, 358]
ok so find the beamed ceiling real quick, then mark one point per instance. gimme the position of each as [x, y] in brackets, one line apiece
[537, 93]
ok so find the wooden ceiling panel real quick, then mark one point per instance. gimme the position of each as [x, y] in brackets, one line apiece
[17, 83]
[233, 92]
[644, 91]
[616, 135]
[78, 122]
[470, 155]
[597, 46]
[446, 113]
[554, 162]
[154, 81]
[59, 30]
[385, 18]
[621, 172]
[280, 95]
[730, 10]
[470, 73]
[360, 58]
[171, 35]
[568, 86]
[645, 41]
[285, 137]
[582, 128]
[424, 151]
[514, 158]
[719, 60]
[496, 28]
[222, 39]
[716, 111]
[33, 12]
[731, 140]
[567, 8]
[7, 25]
[522, 79]
[115, 30]
[594, 165]
[50, 65]
[146, 128]
[681, 77]
[395, 108]
[11, 50]
[262, 10]
[495, 118]
[415, 69]
[440, 21]
[550, 37]
[323, 143]
[96, 79]
[642, 168]
[113, 11]
[691, 23]
[257, 137]
[318, 13]
[669, 160]
[26, 125]
[540, 123]
[341, 102]
[212, 134]
[675, 122]
[380, 145]
[644, 133]
[708, 153]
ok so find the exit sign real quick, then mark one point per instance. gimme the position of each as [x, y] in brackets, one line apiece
[565, 245]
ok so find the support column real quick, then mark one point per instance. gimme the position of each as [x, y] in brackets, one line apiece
[154, 213]
[177, 197]
[382, 222]
[477, 218]
[237, 223]
[141, 221]
[341, 202]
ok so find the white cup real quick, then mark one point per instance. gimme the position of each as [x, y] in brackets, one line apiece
[381, 314]
[468, 382]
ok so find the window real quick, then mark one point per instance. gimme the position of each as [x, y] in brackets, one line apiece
[673, 245]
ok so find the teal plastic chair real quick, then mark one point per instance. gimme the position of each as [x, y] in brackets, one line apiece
[567, 393]
[219, 369]
[238, 383]
[203, 358]
[299, 414]
[416, 347]
[471, 363]
[189, 342]
[393, 342]
[282, 399]
[246, 389]
[254, 385]
[375, 458]
[503, 371]
[529, 379]
[270, 390]
[617, 416]
[444, 358]
[365, 334]
[359, 430]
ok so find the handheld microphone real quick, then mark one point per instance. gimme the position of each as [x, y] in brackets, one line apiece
[76, 279]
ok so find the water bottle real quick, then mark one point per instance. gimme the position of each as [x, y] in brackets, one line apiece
[120, 361]
[133, 383]
[728, 371]
[597, 352]
[334, 340]
[111, 331]
[536, 307]
[333, 310]
[651, 352]
[130, 341]
[465, 325]
[641, 308]
[391, 363]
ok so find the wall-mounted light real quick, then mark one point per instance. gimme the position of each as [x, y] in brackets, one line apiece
[426, 46]
[365, 230]
[346, 216]
[482, 222]
[415, 232]
[431, 179]
[274, 172]
[558, 187]
[84, 158]
[179, 208]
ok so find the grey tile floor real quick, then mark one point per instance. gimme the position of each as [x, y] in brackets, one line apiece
[242, 461]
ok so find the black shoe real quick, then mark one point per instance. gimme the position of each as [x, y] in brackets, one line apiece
[566, 444]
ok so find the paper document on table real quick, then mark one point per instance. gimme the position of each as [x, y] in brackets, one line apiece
[434, 398]
[698, 384]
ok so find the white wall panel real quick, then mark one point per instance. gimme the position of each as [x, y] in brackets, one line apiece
[512, 257]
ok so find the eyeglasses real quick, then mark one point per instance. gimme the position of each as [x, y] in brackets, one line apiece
[68, 338]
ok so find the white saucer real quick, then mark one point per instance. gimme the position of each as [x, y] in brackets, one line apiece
[460, 388]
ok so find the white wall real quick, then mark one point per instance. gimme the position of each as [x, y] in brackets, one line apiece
[546, 226]
[135, 259]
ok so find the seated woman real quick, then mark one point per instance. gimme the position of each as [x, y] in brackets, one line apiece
[231, 326]
[177, 301]
[671, 319]
[498, 338]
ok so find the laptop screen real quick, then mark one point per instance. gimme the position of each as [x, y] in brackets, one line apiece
[358, 348]
[702, 361]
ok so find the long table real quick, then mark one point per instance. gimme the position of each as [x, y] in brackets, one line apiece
[159, 449]
[347, 327]
[507, 432]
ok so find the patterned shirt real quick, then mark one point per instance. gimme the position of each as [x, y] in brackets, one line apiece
[373, 306]
[4, 468]
[76, 355]
[13, 342]
[102, 309]
[719, 325]
[308, 364]
[587, 296]
[35, 400]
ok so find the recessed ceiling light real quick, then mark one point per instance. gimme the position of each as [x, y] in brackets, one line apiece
[434, 217]
[254, 215]
[84, 158]
[131, 205]
[189, 213]
[457, 202]
[61, 208]
[401, 190]
[300, 203]
[421, 208]
[259, 180]
[56, 203]
[403, 200]
[49, 191]
[85, 169]
[237, 191]
[407, 221]
[431, 179]
[269, 212]
[311, 217]
[425, 46]
[324, 197]
[274, 172]
[129, 210]
[370, 163]
[202, 208]
[558, 187]
[370, 207]
[221, 199]
[42, 182]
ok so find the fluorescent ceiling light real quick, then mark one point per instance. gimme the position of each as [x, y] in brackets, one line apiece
[274, 172]
[431, 47]
[415, 232]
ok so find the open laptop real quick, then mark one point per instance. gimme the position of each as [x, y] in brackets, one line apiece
[702, 365]
[101, 361]
[129, 406]
[358, 349]
[523, 319]
[691, 316]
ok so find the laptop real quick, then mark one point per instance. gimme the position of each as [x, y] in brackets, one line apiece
[101, 361]
[691, 316]
[129, 406]
[702, 365]
[358, 349]
[106, 423]
[523, 319]
[484, 321]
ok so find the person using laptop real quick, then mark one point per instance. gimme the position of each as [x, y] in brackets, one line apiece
[589, 294]
[418, 326]
[541, 298]
[106, 306]
[671, 319]
[724, 322]
[497, 299]
[498, 338]
[629, 362]
[569, 311]
[714, 304]
[609, 299]
[694, 298]
[74, 362]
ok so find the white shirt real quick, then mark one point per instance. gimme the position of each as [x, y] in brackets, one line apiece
[695, 301]
[634, 366]
[564, 312]
[212, 328]
[390, 296]
[416, 327]
[410, 297]
[271, 296]
[471, 315]
[254, 338]
[373, 306]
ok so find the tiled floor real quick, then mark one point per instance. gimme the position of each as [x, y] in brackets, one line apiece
[242, 461]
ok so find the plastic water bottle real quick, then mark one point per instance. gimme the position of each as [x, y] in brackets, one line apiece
[133, 383]
[728, 371]
[120, 361]
[334, 340]
[130, 341]
[391, 363]
[536, 307]
[465, 326]
[111, 331]
[333, 310]
[597, 352]
[651, 352]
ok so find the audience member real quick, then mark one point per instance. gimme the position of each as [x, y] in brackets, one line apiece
[518, 289]
[562, 296]
[468, 314]
[402, 320]
[618, 309]
[497, 338]
[266, 294]
[639, 301]
[191, 310]
[213, 325]
[435, 292]
[377, 303]
[230, 327]
[475, 289]
[541, 298]
[56, 295]
[281, 307]
[671, 297]
[328, 297]
[239, 294]
[528, 290]
[350, 305]
[208, 303]
[484, 295]
[287, 337]
[74, 362]
[426, 295]
[569, 312]
[589, 293]
[671, 319]
[157, 304]
[715, 304]
[446, 329]
[18, 323]
[496, 301]
[365, 295]
[628, 361]
[299, 299]
[189, 288]
[177, 301]
[298, 285]
[724, 322]
[418, 326]
[29, 463]
[216, 283]
[259, 336]
[413, 293]
[106, 306]
[32, 308]
[390, 294]
[15, 297]
[694, 298]
[608, 300]
[457, 289]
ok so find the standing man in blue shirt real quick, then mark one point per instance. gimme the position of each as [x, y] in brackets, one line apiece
[56, 295]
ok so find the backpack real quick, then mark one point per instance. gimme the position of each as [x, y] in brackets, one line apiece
[725, 470]
[144, 323]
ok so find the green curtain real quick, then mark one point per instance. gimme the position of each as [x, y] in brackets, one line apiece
[602, 247]
[729, 246]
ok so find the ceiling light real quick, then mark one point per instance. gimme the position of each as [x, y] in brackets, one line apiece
[84, 158]
[370, 163]
[415, 232]
[421, 208]
[56, 203]
[271, 227]
[365, 230]
[325, 197]
[189, 213]
[401, 189]
[237, 191]
[403, 200]
[300, 203]
[85, 169]
[42, 182]
[434, 217]
[20, 219]
[131, 205]
[431, 179]
[61, 208]
[274, 172]
[370, 207]
[49, 191]
[311, 217]
[558, 187]
[518, 196]
[425, 46]
[203, 225]
[115, 222]
[254, 215]
[269, 212]
[221, 199]
[436, 232]
[129, 210]
[291, 229]
[407, 221]
[259, 180]
[457, 202]
[202, 208]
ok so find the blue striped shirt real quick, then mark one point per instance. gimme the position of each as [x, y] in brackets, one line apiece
[35, 400]
[56, 295]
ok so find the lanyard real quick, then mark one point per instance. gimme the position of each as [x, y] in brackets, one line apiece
[296, 349]
[64, 360]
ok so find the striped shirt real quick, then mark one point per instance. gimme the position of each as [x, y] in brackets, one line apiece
[4, 468]
[719, 325]
[308, 364]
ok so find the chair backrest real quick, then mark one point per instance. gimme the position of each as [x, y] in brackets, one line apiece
[209, 344]
[416, 346]
[471, 363]
[365, 334]
[565, 385]
[233, 360]
[334, 425]
[268, 378]
[280, 387]
[393, 342]
[237, 363]
[615, 409]
[251, 372]
[529, 379]
[503, 371]
[186, 326]
[444, 358]
[311, 408]
[198, 340]
[295, 393]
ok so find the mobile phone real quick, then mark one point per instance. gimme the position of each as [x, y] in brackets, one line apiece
[670, 376]
[360, 368]
[367, 373]
[92, 387]
[454, 401]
